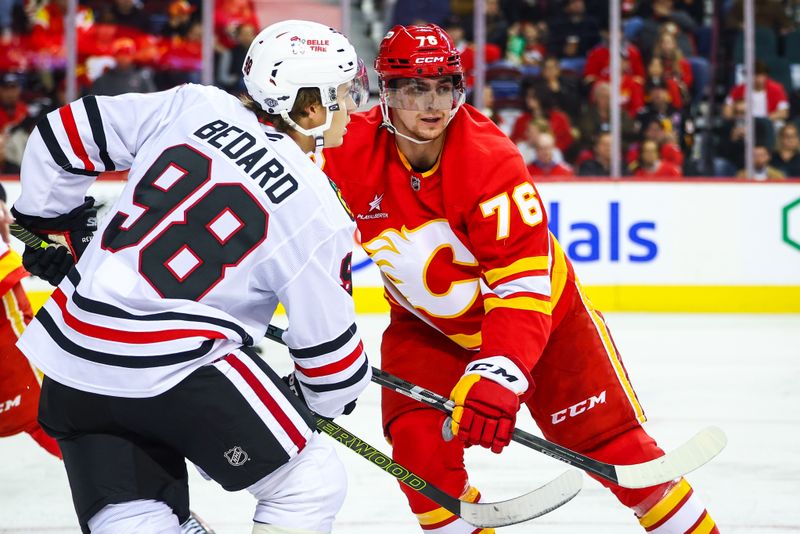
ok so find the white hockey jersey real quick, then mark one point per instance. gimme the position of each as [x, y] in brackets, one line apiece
[222, 218]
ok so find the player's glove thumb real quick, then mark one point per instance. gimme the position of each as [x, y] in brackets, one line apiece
[487, 398]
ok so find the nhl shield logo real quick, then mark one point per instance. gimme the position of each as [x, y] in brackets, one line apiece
[236, 456]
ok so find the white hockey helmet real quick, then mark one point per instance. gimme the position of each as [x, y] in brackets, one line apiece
[290, 55]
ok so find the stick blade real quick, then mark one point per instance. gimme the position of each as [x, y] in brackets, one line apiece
[696, 452]
[533, 504]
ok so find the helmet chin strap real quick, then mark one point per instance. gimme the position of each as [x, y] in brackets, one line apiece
[317, 132]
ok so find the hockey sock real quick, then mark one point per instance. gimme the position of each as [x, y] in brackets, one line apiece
[679, 511]
[669, 508]
[417, 443]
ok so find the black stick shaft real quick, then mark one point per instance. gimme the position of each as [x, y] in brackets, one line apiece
[389, 381]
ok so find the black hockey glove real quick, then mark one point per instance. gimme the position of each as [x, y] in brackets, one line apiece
[70, 233]
[291, 381]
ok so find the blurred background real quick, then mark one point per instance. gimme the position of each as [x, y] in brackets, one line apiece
[663, 134]
[545, 70]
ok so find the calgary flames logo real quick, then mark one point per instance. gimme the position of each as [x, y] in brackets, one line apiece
[405, 256]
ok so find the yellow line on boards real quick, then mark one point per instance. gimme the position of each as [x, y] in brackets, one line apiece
[677, 299]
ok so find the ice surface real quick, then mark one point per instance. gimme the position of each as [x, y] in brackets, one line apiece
[740, 372]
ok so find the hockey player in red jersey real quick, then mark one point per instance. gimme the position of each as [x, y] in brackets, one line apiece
[19, 383]
[146, 342]
[485, 306]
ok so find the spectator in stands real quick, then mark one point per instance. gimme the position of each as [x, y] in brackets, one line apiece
[656, 76]
[524, 46]
[544, 164]
[658, 107]
[762, 170]
[125, 77]
[527, 146]
[675, 65]
[180, 18]
[563, 91]
[787, 156]
[542, 107]
[650, 165]
[12, 109]
[597, 117]
[655, 129]
[127, 13]
[229, 15]
[769, 97]
[229, 69]
[600, 162]
[576, 23]
[730, 138]
[598, 63]
[664, 15]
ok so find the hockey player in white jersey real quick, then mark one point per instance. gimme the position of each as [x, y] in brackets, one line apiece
[145, 342]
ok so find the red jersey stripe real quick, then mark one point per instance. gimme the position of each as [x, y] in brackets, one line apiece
[279, 415]
[122, 336]
[68, 120]
[334, 367]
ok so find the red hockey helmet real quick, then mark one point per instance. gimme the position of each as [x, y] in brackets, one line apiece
[423, 51]
[419, 51]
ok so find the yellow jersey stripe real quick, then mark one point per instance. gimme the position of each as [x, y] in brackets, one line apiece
[468, 341]
[558, 278]
[9, 262]
[665, 505]
[534, 263]
[13, 313]
[518, 303]
[600, 325]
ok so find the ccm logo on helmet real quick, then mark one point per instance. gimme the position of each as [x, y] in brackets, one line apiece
[435, 59]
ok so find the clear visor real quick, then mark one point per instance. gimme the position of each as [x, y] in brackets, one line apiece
[359, 87]
[423, 94]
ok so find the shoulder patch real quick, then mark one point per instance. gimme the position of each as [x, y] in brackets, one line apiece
[341, 199]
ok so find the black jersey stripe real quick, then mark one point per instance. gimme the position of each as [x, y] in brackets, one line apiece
[99, 136]
[50, 141]
[325, 348]
[103, 308]
[118, 360]
[357, 376]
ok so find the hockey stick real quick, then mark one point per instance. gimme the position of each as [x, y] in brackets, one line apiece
[26, 236]
[483, 515]
[704, 446]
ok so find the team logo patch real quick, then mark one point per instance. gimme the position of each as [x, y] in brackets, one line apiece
[341, 199]
[236, 456]
[271, 102]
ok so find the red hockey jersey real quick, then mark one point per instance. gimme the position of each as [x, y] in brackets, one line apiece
[464, 246]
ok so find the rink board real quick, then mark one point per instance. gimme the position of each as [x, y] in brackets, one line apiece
[688, 246]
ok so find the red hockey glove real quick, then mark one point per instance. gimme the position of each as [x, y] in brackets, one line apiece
[487, 399]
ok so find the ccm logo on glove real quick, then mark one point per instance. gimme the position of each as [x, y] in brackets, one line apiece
[487, 398]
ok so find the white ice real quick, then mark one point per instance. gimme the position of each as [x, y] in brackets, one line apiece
[740, 372]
